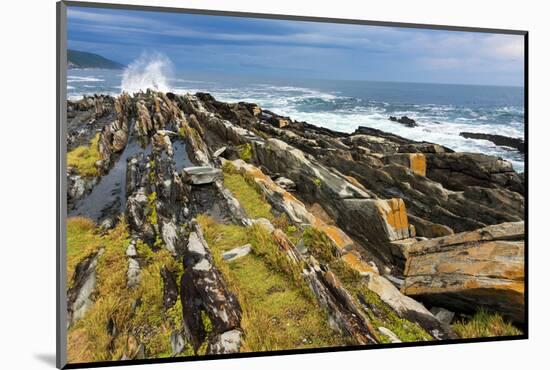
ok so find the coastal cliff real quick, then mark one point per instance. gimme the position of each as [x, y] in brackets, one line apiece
[202, 227]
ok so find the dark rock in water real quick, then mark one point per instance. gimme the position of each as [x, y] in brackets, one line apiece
[409, 122]
[500, 140]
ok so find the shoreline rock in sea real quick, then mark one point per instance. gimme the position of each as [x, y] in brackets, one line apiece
[500, 140]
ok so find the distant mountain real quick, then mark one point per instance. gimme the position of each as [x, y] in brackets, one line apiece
[83, 59]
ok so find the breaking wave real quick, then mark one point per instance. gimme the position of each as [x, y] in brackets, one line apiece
[149, 71]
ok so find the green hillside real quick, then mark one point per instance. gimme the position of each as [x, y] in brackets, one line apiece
[82, 59]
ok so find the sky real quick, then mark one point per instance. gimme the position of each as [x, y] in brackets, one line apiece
[207, 44]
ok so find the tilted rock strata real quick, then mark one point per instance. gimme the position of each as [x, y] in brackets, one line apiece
[466, 271]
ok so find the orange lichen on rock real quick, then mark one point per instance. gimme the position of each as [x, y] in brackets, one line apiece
[283, 123]
[396, 216]
[354, 261]
[339, 238]
[418, 163]
[481, 268]
[256, 110]
[356, 182]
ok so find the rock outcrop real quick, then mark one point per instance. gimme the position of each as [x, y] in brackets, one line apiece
[375, 228]
[468, 271]
[406, 121]
[500, 140]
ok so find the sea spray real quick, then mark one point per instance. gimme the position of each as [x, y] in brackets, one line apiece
[149, 71]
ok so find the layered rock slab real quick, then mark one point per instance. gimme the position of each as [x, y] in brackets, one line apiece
[472, 270]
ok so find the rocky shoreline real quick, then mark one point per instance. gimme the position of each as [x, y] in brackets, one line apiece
[376, 232]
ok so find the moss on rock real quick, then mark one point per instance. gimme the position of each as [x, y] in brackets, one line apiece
[84, 158]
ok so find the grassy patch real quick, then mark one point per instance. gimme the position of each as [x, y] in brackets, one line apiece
[137, 314]
[319, 245]
[82, 240]
[277, 314]
[485, 324]
[245, 152]
[251, 200]
[84, 157]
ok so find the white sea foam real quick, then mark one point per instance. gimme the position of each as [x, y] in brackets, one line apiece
[78, 79]
[149, 71]
[438, 123]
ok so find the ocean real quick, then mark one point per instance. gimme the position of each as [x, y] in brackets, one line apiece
[442, 111]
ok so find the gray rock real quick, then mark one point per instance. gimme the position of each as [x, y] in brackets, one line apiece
[301, 246]
[236, 253]
[133, 274]
[228, 342]
[84, 281]
[201, 175]
[285, 183]
[131, 250]
[265, 223]
[219, 152]
[203, 265]
[177, 342]
[195, 246]
[170, 237]
[443, 315]
[395, 281]
[107, 224]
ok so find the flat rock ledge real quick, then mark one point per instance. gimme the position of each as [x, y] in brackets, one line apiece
[467, 271]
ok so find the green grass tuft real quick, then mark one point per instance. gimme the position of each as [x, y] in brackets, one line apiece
[245, 152]
[319, 245]
[84, 158]
[485, 324]
[250, 199]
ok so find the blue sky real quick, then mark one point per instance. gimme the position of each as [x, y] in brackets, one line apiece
[289, 49]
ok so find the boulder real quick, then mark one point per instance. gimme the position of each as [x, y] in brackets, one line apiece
[443, 315]
[201, 175]
[133, 273]
[228, 342]
[471, 270]
[236, 253]
[177, 342]
[79, 296]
